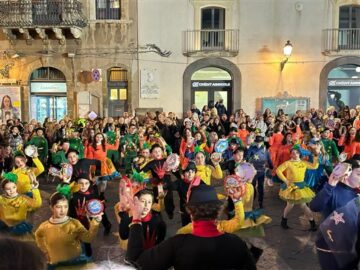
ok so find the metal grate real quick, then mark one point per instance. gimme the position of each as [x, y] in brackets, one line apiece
[47, 74]
[41, 12]
[108, 9]
[210, 40]
[341, 39]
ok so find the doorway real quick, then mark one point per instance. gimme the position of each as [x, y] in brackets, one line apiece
[117, 91]
[210, 85]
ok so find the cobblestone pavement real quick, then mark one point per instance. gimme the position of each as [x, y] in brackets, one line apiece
[290, 249]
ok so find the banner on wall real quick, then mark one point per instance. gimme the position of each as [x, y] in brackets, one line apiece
[10, 107]
[149, 84]
[288, 105]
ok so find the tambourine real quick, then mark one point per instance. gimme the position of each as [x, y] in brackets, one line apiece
[216, 157]
[342, 157]
[94, 207]
[54, 171]
[30, 150]
[172, 162]
[245, 171]
[341, 170]
[221, 145]
[233, 184]
[66, 171]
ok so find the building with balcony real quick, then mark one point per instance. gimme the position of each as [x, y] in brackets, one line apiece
[233, 50]
[68, 57]
[110, 56]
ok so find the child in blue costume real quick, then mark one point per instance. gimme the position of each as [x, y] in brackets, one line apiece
[315, 178]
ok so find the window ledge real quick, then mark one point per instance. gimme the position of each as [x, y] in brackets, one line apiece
[111, 21]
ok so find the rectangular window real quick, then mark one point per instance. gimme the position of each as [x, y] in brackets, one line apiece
[113, 94]
[123, 94]
[108, 9]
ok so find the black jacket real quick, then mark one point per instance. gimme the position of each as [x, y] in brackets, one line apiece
[187, 252]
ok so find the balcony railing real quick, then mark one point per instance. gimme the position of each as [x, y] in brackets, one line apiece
[30, 13]
[202, 41]
[336, 40]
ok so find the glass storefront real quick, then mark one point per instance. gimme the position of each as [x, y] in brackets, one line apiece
[344, 86]
[209, 85]
[53, 107]
[48, 94]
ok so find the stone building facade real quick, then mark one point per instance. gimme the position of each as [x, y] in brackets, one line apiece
[200, 51]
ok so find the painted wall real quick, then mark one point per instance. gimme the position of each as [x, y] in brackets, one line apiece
[265, 26]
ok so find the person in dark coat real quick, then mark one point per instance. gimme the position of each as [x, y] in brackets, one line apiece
[259, 156]
[205, 248]
[77, 205]
[181, 186]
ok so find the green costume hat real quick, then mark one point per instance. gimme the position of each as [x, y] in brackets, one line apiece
[64, 190]
[81, 122]
[146, 145]
[19, 153]
[296, 147]
[12, 177]
[138, 177]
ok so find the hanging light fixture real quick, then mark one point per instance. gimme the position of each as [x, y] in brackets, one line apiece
[287, 53]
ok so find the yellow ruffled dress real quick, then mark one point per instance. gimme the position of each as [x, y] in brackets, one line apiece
[254, 219]
[297, 192]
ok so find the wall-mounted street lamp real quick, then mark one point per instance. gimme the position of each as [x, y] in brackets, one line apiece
[287, 53]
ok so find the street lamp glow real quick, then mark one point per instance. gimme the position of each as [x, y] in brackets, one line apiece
[288, 49]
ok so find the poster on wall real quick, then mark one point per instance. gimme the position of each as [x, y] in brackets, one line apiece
[149, 84]
[10, 107]
[289, 105]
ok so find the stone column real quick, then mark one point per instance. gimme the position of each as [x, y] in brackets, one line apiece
[71, 99]
[25, 101]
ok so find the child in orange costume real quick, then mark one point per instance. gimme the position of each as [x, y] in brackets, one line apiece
[98, 151]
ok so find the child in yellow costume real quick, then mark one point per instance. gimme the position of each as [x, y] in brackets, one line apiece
[294, 189]
[205, 172]
[254, 218]
[60, 237]
[26, 176]
[14, 208]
